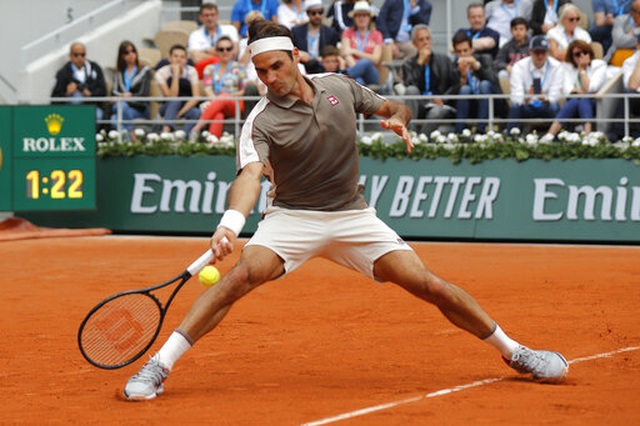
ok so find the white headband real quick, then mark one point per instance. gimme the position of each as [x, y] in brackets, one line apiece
[270, 43]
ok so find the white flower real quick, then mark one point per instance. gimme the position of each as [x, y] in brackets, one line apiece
[205, 134]
[423, 138]
[479, 138]
[366, 140]
[531, 139]
[514, 132]
[434, 134]
[180, 135]
[575, 138]
[99, 137]
[452, 137]
[211, 139]
[466, 133]
[113, 134]
[628, 139]
[377, 137]
[139, 132]
[636, 142]
[441, 139]
[152, 137]
[167, 135]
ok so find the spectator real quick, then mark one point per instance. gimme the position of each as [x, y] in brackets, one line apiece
[626, 29]
[499, 14]
[79, 79]
[178, 79]
[332, 61]
[631, 78]
[605, 13]
[484, 39]
[362, 46]
[130, 80]
[222, 82]
[292, 13]
[544, 15]
[339, 11]
[515, 49]
[428, 74]
[474, 78]
[395, 20]
[583, 75]
[311, 38]
[268, 9]
[202, 41]
[536, 84]
[566, 31]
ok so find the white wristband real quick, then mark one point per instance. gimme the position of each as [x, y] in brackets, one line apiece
[232, 220]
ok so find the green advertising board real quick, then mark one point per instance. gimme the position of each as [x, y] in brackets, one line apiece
[53, 158]
[580, 200]
[6, 163]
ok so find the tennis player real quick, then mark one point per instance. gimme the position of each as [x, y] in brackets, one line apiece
[302, 135]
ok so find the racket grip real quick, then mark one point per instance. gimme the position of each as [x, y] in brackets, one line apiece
[203, 260]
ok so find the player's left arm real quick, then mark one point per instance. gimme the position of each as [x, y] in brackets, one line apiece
[398, 116]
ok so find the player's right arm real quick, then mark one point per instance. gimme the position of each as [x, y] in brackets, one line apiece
[243, 195]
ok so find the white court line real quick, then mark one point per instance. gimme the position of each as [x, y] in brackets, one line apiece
[447, 391]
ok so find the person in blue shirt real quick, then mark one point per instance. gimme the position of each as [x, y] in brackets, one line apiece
[605, 13]
[395, 21]
[268, 8]
[484, 40]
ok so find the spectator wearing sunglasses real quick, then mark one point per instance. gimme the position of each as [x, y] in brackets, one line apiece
[222, 82]
[311, 38]
[80, 79]
[582, 75]
[566, 31]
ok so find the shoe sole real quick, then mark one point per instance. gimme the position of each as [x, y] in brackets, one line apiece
[138, 398]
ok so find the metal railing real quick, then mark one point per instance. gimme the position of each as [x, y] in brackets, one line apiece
[364, 124]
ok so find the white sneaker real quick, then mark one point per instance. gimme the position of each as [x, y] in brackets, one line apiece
[545, 366]
[148, 382]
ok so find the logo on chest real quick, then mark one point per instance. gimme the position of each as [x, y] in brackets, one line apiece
[333, 100]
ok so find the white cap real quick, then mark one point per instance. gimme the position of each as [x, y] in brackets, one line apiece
[313, 4]
[361, 6]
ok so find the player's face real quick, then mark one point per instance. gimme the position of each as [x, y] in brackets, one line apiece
[278, 71]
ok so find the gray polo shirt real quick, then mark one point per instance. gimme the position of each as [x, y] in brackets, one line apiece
[311, 149]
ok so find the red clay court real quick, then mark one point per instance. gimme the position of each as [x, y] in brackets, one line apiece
[325, 345]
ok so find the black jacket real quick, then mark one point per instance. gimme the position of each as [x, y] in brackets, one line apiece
[441, 68]
[95, 80]
[538, 13]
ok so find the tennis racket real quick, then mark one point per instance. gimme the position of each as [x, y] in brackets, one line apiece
[121, 328]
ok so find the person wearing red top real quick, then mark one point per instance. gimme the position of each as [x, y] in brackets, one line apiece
[362, 46]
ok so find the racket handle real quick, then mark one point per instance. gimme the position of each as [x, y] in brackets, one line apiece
[203, 260]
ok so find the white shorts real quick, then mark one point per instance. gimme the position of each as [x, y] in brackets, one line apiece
[352, 238]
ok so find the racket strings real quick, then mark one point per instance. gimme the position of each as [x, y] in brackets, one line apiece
[120, 329]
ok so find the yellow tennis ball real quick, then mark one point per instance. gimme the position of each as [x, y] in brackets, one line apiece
[209, 275]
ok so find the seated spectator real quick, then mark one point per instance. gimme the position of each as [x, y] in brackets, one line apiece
[566, 31]
[339, 12]
[605, 13]
[80, 79]
[292, 13]
[222, 82]
[582, 75]
[484, 39]
[130, 80]
[631, 80]
[178, 79]
[473, 77]
[515, 49]
[428, 74]
[395, 20]
[626, 29]
[536, 84]
[202, 41]
[332, 61]
[544, 15]
[268, 9]
[499, 14]
[362, 46]
[311, 38]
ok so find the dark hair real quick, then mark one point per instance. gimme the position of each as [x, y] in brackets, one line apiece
[177, 47]
[261, 28]
[208, 6]
[121, 64]
[224, 38]
[461, 37]
[330, 50]
[519, 21]
[583, 45]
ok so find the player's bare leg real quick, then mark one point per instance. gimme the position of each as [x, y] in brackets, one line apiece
[407, 270]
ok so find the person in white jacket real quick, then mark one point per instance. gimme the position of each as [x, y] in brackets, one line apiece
[581, 75]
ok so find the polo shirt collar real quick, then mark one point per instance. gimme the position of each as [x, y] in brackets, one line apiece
[288, 101]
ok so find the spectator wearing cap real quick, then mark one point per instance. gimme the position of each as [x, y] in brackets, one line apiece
[362, 46]
[311, 38]
[395, 21]
[536, 84]
[566, 31]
